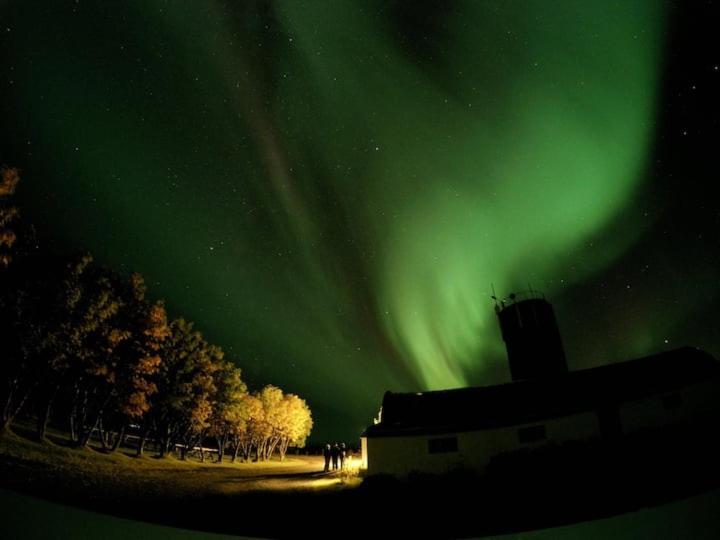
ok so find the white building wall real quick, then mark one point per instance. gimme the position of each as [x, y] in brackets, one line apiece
[400, 456]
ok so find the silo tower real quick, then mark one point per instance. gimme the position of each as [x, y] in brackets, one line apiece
[531, 335]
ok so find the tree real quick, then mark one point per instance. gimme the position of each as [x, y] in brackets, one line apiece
[285, 420]
[23, 318]
[229, 418]
[77, 306]
[267, 431]
[9, 178]
[122, 359]
[181, 407]
[296, 423]
[133, 347]
[22, 286]
[13, 299]
[252, 415]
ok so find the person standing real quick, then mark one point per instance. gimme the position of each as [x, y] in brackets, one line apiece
[335, 453]
[326, 455]
[342, 455]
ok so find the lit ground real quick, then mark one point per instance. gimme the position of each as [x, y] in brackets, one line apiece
[97, 474]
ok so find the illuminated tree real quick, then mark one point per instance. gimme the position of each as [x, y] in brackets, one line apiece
[286, 420]
[229, 418]
[252, 415]
[296, 423]
[130, 350]
[181, 408]
[266, 434]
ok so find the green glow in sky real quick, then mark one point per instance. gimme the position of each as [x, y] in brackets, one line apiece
[330, 188]
[528, 137]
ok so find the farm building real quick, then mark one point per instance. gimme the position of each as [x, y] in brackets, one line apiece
[439, 431]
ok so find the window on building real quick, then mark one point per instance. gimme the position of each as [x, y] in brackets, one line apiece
[531, 434]
[444, 445]
[672, 402]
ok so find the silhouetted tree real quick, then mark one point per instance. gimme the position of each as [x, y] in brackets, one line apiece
[23, 316]
[75, 307]
[9, 178]
[13, 359]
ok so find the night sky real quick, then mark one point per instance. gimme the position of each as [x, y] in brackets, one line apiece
[329, 189]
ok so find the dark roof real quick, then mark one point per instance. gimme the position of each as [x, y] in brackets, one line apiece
[527, 401]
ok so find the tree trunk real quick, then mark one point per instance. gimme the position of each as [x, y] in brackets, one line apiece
[85, 440]
[7, 402]
[141, 441]
[44, 414]
[98, 418]
[5, 425]
[220, 446]
[78, 415]
[140, 446]
[282, 448]
[104, 436]
[74, 414]
[164, 438]
[118, 440]
[7, 416]
[73, 428]
[12, 407]
[271, 448]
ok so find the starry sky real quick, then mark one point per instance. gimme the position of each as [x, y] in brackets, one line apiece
[331, 189]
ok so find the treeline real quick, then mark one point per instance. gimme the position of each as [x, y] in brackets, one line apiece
[84, 346]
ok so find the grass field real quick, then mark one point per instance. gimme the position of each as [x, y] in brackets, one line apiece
[32, 466]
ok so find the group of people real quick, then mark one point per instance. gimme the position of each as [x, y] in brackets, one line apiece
[335, 453]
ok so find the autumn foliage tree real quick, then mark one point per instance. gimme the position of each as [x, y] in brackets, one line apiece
[229, 416]
[285, 420]
[181, 409]
[295, 423]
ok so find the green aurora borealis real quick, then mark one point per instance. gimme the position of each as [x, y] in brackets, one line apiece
[328, 192]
